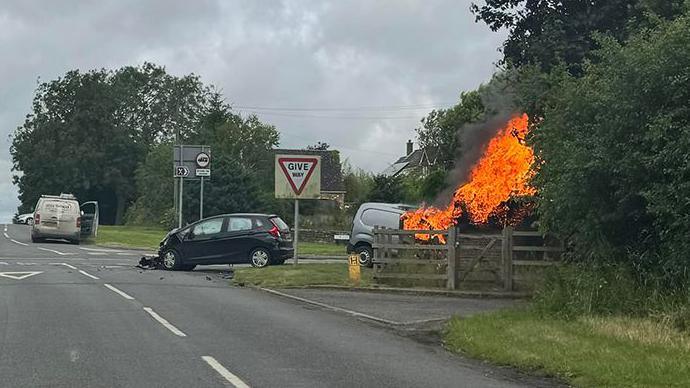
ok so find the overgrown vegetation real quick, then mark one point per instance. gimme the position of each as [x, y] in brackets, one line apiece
[586, 351]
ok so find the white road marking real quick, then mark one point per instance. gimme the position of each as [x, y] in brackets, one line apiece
[227, 375]
[165, 323]
[4, 263]
[58, 252]
[23, 263]
[97, 253]
[6, 235]
[18, 242]
[67, 265]
[88, 274]
[99, 250]
[127, 254]
[115, 290]
[5, 227]
[18, 275]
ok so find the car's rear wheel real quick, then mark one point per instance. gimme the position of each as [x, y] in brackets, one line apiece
[260, 257]
[171, 260]
[366, 255]
[30, 221]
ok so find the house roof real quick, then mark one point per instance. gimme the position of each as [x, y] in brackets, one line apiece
[418, 158]
[331, 171]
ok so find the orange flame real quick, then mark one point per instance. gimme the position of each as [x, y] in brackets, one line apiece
[502, 172]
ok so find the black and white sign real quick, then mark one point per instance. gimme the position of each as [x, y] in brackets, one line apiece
[202, 160]
[203, 172]
[181, 171]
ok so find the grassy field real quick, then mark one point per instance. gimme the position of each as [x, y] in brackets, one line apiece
[592, 351]
[300, 275]
[149, 237]
[129, 236]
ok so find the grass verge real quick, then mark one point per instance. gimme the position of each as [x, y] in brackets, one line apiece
[585, 351]
[324, 249]
[301, 275]
[130, 236]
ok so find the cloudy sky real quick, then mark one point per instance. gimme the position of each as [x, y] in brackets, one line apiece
[356, 74]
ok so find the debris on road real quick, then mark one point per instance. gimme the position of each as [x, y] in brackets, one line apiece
[149, 262]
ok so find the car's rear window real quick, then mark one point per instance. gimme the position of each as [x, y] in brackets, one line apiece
[280, 223]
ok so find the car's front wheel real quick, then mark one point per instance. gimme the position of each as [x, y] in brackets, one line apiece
[366, 255]
[171, 260]
[260, 257]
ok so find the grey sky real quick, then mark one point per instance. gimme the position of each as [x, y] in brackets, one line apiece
[274, 54]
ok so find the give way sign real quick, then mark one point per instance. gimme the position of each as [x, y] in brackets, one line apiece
[298, 176]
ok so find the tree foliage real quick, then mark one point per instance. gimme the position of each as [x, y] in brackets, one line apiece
[440, 128]
[387, 189]
[88, 132]
[547, 33]
[612, 154]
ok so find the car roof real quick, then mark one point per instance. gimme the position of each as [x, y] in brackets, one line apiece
[242, 215]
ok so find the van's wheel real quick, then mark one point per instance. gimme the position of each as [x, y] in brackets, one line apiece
[260, 257]
[35, 239]
[171, 260]
[30, 221]
[366, 255]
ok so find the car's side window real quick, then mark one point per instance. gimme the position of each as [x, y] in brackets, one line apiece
[236, 224]
[208, 228]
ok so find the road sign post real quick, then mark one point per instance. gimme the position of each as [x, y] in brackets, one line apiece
[354, 269]
[297, 177]
[191, 162]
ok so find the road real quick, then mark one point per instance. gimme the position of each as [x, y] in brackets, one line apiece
[74, 316]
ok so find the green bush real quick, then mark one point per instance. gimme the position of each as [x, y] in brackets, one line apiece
[608, 289]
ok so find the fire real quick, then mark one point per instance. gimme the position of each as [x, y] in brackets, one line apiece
[502, 172]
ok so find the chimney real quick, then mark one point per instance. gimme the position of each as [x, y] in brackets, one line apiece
[410, 147]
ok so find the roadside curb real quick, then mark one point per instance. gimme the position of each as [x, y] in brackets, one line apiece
[351, 312]
[422, 291]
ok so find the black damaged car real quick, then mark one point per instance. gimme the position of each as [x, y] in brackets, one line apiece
[258, 239]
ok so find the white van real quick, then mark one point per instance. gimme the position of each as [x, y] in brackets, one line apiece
[57, 217]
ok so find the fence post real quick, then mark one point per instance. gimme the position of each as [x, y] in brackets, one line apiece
[376, 251]
[452, 259]
[507, 258]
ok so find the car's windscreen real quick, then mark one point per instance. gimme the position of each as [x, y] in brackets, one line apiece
[280, 223]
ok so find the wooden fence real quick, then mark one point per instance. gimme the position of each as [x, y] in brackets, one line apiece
[462, 260]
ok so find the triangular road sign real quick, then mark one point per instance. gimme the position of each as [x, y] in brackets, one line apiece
[18, 275]
[297, 171]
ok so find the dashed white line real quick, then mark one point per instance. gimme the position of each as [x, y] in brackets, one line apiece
[4, 263]
[119, 292]
[165, 323]
[6, 235]
[18, 242]
[67, 265]
[227, 375]
[87, 274]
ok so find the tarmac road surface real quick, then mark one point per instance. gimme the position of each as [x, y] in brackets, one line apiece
[82, 316]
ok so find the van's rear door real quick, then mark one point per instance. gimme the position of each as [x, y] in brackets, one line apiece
[60, 215]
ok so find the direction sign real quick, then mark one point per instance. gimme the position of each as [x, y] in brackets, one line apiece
[181, 171]
[18, 275]
[203, 160]
[298, 176]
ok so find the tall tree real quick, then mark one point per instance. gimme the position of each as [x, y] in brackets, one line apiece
[548, 32]
[612, 155]
[88, 132]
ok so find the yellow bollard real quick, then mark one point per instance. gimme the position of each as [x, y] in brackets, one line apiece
[355, 274]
